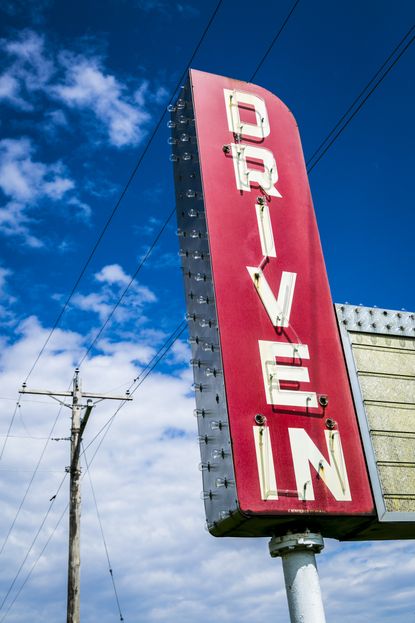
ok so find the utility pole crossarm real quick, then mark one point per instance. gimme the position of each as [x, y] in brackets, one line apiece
[107, 397]
[46, 392]
[43, 392]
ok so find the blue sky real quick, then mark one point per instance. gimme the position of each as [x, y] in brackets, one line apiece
[82, 85]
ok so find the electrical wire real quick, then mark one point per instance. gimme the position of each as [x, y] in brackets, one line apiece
[51, 503]
[122, 194]
[182, 326]
[101, 235]
[29, 573]
[118, 302]
[9, 429]
[110, 569]
[110, 315]
[22, 401]
[162, 352]
[354, 113]
[357, 98]
[30, 483]
[133, 278]
[22, 420]
[114, 210]
[36, 438]
[271, 45]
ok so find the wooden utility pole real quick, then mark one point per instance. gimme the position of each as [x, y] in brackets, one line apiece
[78, 425]
[74, 557]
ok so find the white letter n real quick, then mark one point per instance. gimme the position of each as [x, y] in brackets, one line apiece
[333, 472]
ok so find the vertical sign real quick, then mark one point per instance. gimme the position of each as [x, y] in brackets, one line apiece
[244, 204]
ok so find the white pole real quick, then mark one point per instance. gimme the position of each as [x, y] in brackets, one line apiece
[302, 584]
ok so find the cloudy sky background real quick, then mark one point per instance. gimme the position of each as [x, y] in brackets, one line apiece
[82, 85]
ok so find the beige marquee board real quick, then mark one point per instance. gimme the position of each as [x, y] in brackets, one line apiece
[379, 347]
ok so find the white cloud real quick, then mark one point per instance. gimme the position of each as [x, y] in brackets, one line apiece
[29, 72]
[187, 9]
[10, 92]
[144, 94]
[57, 118]
[15, 222]
[181, 352]
[55, 121]
[79, 82]
[19, 175]
[31, 64]
[165, 8]
[88, 87]
[4, 273]
[6, 300]
[26, 183]
[114, 281]
[83, 210]
[112, 273]
[58, 187]
[26, 180]
[146, 482]
[96, 303]
[9, 86]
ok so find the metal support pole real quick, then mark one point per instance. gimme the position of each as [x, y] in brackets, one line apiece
[74, 560]
[302, 584]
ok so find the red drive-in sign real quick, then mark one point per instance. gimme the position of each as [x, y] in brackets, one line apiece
[295, 441]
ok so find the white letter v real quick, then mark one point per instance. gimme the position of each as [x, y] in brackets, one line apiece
[279, 309]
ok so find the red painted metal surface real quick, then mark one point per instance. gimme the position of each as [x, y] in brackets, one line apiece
[243, 320]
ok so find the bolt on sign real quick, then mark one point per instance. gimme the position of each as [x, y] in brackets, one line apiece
[279, 439]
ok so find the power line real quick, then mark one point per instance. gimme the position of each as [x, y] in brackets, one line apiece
[36, 438]
[357, 98]
[101, 235]
[181, 327]
[321, 155]
[139, 267]
[102, 534]
[118, 302]
[127, 185]
[147, 370]
[161, 353]
[308, 162]
[30, 482]
[168, 344]
[52, 501]
[375, 86]
[22, 420]
[261, 62]
[315, 163]
[39, 402]
[9, 429]
[29, 573]
[122, 195]
[129, 181]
